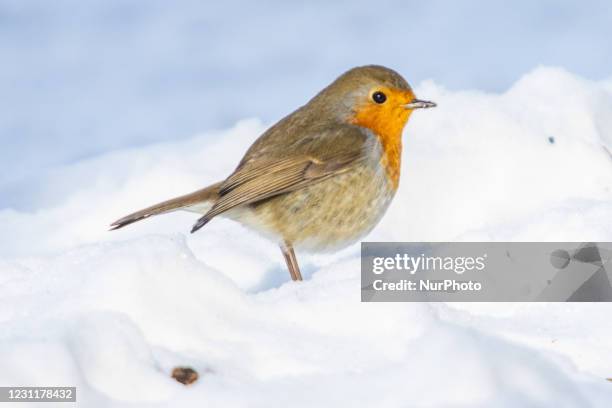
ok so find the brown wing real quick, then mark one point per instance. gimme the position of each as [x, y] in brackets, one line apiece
[259, 179]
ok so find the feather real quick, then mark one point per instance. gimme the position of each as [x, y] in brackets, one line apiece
[194, 199]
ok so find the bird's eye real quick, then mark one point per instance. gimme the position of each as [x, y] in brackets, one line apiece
[379, 97]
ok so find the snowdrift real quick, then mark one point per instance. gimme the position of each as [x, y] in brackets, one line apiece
[113, 313]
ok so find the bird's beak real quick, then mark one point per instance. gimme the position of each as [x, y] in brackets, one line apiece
[419, 104]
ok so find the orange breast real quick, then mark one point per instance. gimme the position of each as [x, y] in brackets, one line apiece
[387, 123]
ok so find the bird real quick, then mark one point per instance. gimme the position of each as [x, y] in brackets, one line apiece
[322, 177]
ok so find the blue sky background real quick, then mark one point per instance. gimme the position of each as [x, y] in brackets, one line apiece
[79, 78]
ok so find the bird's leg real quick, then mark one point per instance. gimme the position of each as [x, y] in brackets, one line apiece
[292, 265]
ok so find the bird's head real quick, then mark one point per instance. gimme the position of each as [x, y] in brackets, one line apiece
[373, 97]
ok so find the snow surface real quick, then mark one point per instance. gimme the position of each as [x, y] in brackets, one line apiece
[113, 313]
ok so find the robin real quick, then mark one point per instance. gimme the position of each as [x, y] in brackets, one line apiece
[322, 177]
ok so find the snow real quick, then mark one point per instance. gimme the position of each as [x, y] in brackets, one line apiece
[113, 312]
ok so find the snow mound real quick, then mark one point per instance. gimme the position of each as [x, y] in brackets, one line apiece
[114, 319]
[113, 313]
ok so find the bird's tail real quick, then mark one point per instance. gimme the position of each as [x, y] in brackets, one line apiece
[198, 201]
